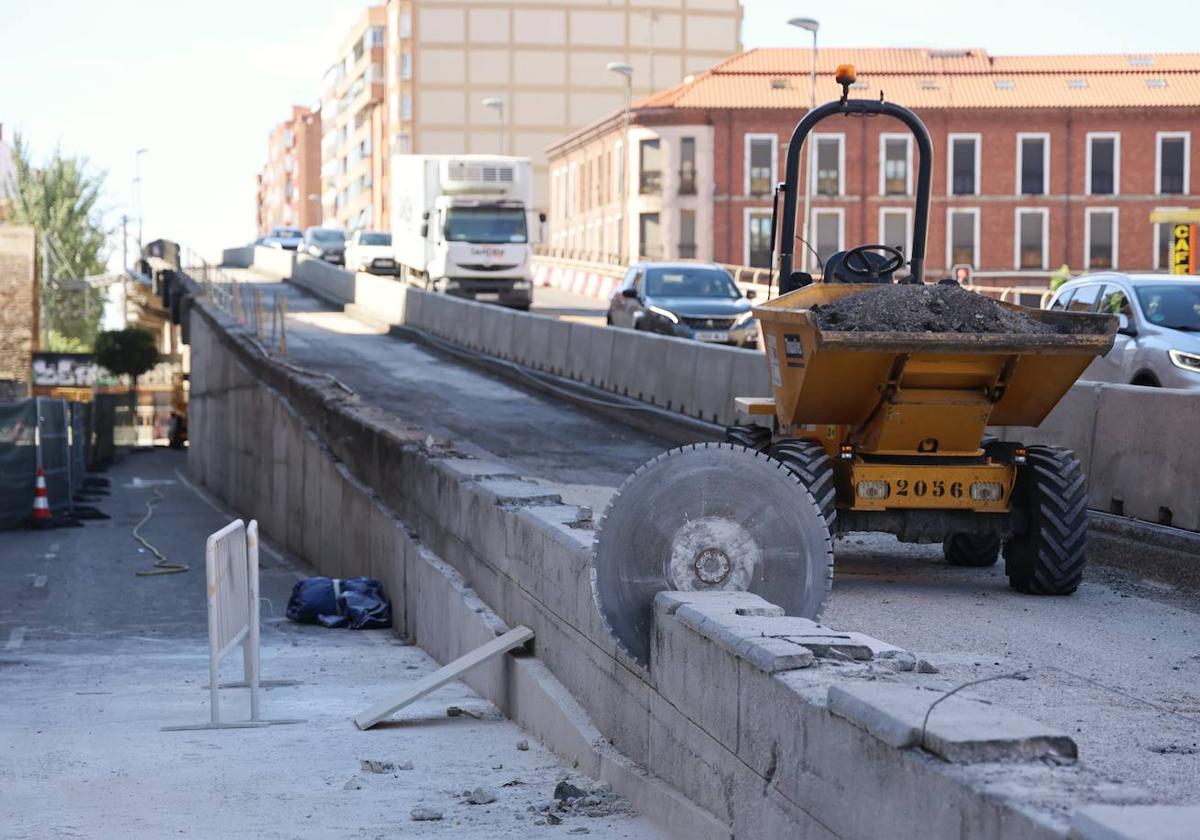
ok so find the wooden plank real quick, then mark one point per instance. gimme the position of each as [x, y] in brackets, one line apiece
[447, 673]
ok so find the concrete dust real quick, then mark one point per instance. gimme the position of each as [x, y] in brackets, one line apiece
[915, 308]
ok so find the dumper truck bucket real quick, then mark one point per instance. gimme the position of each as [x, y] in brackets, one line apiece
[902, 388]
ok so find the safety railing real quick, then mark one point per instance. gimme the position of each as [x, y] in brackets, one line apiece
[231, 567]
[242, 301]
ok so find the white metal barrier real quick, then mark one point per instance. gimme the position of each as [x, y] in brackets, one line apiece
[231, 563]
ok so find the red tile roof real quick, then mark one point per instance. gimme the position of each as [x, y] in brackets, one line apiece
[922, 78]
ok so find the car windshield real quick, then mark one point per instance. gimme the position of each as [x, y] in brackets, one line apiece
[288, 233]
[486, 225]
[375, 239]
[690, 282]
[326, 235]
[1175, 306]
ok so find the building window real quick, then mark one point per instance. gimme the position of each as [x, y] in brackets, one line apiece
[760, 163]
[828, 162]
[895, 155]
[650, 236]
[619, 171]
[650, 167]
[1164, 243]
[963, 171]
[406, 66]
[758, 239]
[894, 225]
[687, 234]
[1033, 164]
[1100, 234]
[406, 107]
[1103, 163]
[962, 237]
[1171, 177]
[826, 233]
[1032, 234]
[406, 24]
[687, 166]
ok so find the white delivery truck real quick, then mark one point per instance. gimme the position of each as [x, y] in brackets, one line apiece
[461, 225]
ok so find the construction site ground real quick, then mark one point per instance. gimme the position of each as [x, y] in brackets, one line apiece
[1116, 666]
[94, 661]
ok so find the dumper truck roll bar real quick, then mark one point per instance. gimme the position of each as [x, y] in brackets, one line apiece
[790, 187]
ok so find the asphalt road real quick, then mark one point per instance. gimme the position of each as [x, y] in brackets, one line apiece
[94, 661]
[1117, 665]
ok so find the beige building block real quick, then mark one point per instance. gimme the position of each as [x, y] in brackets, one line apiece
[488, 67]
[587, 68]
[443, 107]
[442, 66]
[441, 142]
[711, 33]
[537, 109]
[541, 26]
[441, 26]
[489, 26]
[589, 107]
[539, 68]
[589, 28]
[663, 31]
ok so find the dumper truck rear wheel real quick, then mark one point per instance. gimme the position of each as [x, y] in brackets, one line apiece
[711, 516]
[1048, 558]
[810, 463]
[971, 549]
[749, 436]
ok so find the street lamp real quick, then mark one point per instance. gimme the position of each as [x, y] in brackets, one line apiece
[137, 192]
[810, 25]
[498, 104]
[623, 69]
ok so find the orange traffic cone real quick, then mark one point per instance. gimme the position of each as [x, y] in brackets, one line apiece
[41, 500]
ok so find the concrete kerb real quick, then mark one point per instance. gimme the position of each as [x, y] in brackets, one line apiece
[623, 704]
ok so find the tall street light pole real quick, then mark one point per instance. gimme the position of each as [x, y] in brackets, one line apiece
[498, 104]
[812, 26]
[137, 183]
[623, 69]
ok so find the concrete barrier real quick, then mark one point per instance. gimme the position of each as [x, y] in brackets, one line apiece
[238, 257]
[323, 279]
[755, 732]
[277, 261]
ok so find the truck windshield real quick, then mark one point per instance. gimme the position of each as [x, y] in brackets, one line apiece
[1176, 307]
[486, 225]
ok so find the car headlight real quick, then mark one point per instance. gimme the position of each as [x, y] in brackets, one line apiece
[664, 313]
[746, 319]
[1187, 361]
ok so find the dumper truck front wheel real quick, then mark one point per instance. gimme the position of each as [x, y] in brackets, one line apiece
[749, 436]
[1048, 558]
[976, 550]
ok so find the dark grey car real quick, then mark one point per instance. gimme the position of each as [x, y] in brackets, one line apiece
[689, 300]
[327, 244]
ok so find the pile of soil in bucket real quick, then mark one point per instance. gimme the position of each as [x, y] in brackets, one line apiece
[916, 308]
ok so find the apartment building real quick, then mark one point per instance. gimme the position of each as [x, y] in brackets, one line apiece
[290, 182]
[1039, 161]
[354, 125]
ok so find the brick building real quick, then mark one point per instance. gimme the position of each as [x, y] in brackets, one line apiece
[292, 173]
[1039, 161]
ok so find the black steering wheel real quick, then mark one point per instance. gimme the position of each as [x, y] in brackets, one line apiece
[864, 262]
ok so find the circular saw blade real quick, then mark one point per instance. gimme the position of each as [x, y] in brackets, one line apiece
[711, 516]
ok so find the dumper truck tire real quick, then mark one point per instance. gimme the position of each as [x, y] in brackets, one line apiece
[750, 436]
[1048, 558]
[810, 463]
[977, 550]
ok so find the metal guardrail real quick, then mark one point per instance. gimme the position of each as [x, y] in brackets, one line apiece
[242, 301]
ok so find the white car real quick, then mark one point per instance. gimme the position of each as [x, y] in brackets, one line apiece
[371, 250]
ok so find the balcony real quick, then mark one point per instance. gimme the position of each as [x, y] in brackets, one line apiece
[687, 250]
[650, 182]
[687, 181]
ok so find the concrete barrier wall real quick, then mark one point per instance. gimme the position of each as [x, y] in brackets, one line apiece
[323, 279]
[760, 736]
[238, 257]
[277, 261]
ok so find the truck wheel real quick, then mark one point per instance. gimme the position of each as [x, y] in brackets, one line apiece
[810, 463]
[753, 437]
[1048, 558]
[971, 549]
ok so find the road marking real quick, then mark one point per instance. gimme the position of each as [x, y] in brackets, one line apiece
[38, 580]
[15, 639]
[142, 483]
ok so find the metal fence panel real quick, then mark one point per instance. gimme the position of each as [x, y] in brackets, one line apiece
[80, 417]
[18, 462]
[54, 452]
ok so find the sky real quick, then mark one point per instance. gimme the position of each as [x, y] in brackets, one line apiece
[199, 85]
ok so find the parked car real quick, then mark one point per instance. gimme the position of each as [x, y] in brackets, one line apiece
[371, 250]
[690, 300]
[1158, 341]
[287, 238]
[327, 244]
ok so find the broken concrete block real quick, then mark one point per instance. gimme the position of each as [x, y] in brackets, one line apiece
[1136, 822]
[959, 730]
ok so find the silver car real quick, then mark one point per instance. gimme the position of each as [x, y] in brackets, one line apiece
[1158, 342]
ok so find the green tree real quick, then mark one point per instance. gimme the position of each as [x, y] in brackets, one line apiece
[128, 352]
[59, 199]
[1059, 277]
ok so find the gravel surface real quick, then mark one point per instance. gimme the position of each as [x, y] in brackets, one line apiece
[939, 309]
